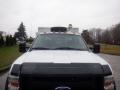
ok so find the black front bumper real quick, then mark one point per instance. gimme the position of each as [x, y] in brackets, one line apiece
[49, 76]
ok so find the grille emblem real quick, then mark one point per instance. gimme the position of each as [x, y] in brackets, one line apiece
[62, 88]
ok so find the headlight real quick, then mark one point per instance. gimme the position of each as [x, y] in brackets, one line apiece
[109, 83]
[13, 83]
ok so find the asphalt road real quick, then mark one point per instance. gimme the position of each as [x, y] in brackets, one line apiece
[112, 59]
[2, 80]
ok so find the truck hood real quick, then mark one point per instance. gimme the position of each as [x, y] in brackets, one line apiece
[59, 56]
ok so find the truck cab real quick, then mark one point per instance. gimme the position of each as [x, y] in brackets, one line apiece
[60, 60]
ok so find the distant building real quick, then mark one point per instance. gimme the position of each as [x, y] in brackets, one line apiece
[44, 29]
[3, 34]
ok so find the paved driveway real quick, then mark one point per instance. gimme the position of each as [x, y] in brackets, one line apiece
[2, 80]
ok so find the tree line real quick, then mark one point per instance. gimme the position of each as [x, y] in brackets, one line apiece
[18, 37]
[8, 40]
[110, 35]
[95, 35]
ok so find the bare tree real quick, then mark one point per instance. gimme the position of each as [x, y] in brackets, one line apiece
[116, 34]
[96, 34]
[106, 37]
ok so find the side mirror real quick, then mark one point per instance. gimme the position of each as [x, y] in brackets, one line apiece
[90, 47]
[96, 48]
[22, 47]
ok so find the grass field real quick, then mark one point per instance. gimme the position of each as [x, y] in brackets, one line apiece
[8, 55]
[110, 49]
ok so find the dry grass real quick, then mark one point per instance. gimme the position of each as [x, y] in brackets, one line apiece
[110, 49]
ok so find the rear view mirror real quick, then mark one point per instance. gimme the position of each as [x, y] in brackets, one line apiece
[96, 48]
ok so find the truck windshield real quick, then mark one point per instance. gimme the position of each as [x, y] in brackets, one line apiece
[59, 42]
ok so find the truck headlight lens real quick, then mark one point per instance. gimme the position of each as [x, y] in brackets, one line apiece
[109, 83]
[13, 82]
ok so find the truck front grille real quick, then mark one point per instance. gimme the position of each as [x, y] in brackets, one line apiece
[51, 83]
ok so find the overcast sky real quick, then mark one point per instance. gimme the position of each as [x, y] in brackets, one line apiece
[84, 14]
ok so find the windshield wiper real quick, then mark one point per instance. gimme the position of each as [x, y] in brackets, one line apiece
[67, 48]
[40, 48]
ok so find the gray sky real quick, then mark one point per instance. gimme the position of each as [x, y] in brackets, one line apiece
[84, 14]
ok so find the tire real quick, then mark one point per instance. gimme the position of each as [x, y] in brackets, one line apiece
[6, 84]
